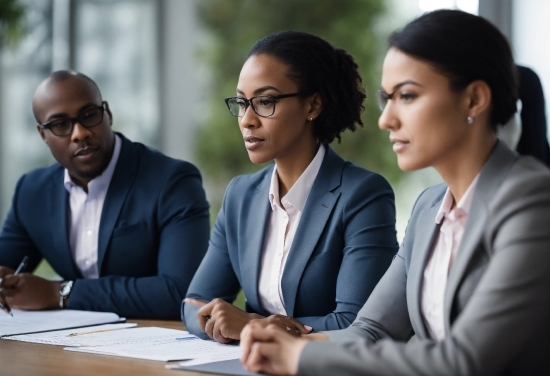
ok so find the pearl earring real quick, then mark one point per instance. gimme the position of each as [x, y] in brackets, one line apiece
[310, 119]
[470, 119]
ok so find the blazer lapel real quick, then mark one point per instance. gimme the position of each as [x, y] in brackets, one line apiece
[320, 202]
[59, 211]
[121, 182]
[425, 235]
[492, 174]
[251, 252]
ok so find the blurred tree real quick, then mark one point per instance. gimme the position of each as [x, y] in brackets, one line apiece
[232, 27]
[12, 28]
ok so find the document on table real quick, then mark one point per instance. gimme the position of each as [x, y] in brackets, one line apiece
[163, 345]
[88, 336]
[24, 322]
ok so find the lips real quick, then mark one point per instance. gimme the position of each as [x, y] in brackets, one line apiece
[253, 143]
[85, 151]
[251, 139]
[398, 144]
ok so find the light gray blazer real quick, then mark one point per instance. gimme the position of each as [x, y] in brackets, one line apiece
[497, 296]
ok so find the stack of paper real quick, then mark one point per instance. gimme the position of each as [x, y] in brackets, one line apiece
[41, 321]
[160, 344]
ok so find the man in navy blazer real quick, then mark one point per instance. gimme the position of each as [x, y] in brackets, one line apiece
[125, 226]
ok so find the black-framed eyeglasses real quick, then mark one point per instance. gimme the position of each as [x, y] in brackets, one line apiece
[263, 105]
[382, 98]
[88, 118]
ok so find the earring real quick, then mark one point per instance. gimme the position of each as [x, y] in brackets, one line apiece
[310, 119]
[470, 119]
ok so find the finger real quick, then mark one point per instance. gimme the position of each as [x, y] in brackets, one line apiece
[217, 332]
[263, 358]
[195, 302]
[292, 325]
[247, 340]
[5, 271]
[204, 314]
[11, 280]
[298, 326]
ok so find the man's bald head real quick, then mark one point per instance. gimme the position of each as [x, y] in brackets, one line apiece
[61, 76]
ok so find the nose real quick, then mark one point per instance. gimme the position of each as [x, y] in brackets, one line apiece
[80, 132]
[249, 119]
[388, 119]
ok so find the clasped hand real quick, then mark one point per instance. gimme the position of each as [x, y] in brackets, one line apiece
[268, 349]
[27, 291]
[223, 322]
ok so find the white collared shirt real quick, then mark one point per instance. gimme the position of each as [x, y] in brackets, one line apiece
[86, 211]
[283, 222]
[442, 258]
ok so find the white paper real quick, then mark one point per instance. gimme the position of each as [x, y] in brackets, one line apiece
[24, 322]
[88, 336]
[163, 345]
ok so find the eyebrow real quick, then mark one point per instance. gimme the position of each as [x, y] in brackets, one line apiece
[64, 115]
[407, 82]
[260, 90]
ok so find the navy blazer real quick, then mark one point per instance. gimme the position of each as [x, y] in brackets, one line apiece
[344, 243]
[153, 233]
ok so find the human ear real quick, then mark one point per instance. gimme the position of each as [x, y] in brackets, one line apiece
[315, 106]
[108, 110]
[478, 97]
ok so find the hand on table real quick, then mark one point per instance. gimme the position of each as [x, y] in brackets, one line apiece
[270, 349]
[27, 291]
[221, 320]
[224, 322]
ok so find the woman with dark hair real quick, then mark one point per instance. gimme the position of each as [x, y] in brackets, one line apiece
[309, 237]
[472, 277]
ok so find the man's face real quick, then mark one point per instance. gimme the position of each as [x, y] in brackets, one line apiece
[85, 152]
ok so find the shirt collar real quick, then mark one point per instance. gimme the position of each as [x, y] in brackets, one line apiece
[464, 204]
[102, 181]
[297, 195]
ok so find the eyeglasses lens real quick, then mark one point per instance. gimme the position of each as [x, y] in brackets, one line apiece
[381, 99]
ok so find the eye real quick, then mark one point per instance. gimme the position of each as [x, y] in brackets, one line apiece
[60, 124]
[265, 102]
[240, 102]
[91, 117]
[407, 97]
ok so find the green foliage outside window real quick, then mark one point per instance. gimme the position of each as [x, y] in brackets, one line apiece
[232, 27]
[12, 14]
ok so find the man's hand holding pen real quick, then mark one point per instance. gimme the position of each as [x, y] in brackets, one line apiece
[25, 290]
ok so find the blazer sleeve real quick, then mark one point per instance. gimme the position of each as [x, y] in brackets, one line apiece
[508, 309]
[15, 242]
[183, 218]
[369, 247]
[215, 277]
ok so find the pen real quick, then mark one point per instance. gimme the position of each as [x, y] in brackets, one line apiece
[22, 265]
[20, 268]
[93, 331]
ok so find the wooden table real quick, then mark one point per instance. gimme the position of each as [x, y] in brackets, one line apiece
[23, 358]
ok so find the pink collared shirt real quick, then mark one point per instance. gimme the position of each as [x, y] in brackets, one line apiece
[86, 211]
[442, 258]
[283, 222]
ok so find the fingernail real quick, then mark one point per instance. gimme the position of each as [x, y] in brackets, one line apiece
[309, 328]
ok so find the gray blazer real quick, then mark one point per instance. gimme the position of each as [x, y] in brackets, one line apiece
[497, 297]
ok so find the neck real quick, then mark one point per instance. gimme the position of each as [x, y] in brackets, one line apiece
[461, 166]
[290, 168]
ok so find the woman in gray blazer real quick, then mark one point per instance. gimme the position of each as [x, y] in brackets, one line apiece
[309, 237]
[472, 277]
